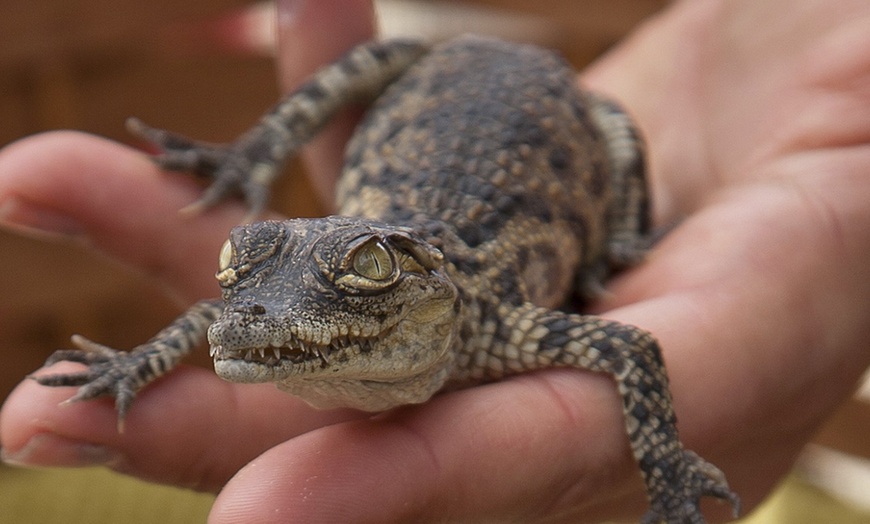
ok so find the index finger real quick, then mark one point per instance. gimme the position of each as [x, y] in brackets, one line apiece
[113, 197]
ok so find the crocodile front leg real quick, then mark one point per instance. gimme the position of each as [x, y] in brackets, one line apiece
[531, 337]
[253, 161]
[121, 374]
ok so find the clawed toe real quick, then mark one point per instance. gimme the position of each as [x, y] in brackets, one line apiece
[62, 379]
[229, 168]
[178, 152]
[679, 501]
[109, 373]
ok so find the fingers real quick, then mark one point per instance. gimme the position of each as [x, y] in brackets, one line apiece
[191, 429]
[72, 184]
[513, 451]
[311, 34]
[114, 197]
[663, 105]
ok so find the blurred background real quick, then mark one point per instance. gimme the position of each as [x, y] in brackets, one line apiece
[204, 68]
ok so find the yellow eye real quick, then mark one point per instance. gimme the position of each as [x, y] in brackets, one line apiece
[373, 261]
[226, 256]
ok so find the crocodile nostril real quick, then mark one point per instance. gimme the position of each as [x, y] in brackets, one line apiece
[258, 309]
[248, 308]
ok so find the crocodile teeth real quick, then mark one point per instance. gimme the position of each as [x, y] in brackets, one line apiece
[295, 350]
[324, 360]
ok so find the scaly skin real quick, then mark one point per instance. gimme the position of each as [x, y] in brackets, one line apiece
[482, 195]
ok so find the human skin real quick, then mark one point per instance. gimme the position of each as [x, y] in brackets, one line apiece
[757, 119]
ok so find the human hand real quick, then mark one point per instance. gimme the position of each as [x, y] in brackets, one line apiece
[756, 298]
[116, 201]
[757, 117]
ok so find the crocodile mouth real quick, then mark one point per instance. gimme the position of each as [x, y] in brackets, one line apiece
[294, 351]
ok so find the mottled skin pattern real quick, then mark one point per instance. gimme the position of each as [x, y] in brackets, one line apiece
[482, 195]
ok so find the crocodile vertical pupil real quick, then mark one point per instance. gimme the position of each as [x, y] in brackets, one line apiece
[372, 260]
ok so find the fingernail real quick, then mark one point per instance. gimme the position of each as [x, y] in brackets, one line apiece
[37, 221]
[52, 450]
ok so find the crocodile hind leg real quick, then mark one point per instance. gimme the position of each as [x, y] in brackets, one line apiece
[251, 163]
[628, 221]
[531, 338]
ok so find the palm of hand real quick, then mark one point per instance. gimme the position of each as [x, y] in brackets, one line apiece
[758, 129]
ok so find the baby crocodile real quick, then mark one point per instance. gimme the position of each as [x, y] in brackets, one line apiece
[482, 194]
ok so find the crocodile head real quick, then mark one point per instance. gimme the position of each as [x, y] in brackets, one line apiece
[342, 312]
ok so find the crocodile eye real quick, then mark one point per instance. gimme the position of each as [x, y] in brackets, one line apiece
[373, 261]
[226, 275]
[226, 256]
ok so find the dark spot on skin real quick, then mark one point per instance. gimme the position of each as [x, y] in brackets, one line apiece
[312, 90]
[560, 158]
[505, 204]
[509, 286]
[502, 332]
[640, 412]
[395, 128]
[598, 178]
[379, 53]
[522, 259]
[555, 340]
[647, 387]
[522, 128]
[492, 222]
[259, 152]
[617, 366]
[400, 213]
[555, 90]
[487, 311]
[560, 325]
[471, 234]
[534, 205]
[647, 462]
[466, 332]
[469, 266]
[581, 113]
[349, 68]
[258, 309]
[382, 178]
